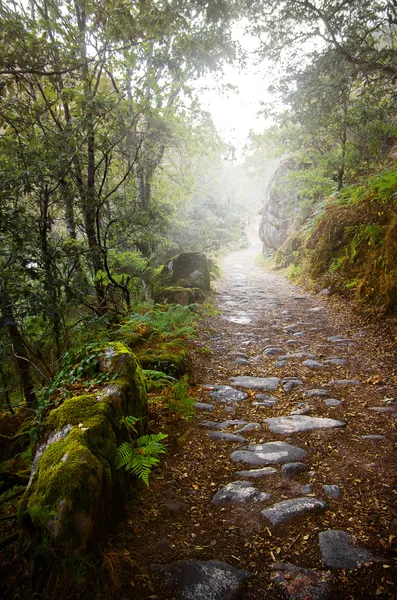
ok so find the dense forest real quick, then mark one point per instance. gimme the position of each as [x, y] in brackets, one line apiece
[111, 170]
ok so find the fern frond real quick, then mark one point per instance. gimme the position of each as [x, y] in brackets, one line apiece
[124, 454]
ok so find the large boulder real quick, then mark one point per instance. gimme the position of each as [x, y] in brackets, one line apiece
[184, 279]
[74, 486]
[280, 208]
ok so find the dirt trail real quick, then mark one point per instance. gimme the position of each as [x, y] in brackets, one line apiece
[312, 361]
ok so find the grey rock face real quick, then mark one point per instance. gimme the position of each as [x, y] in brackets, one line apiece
[256, 383]
[201, 580]
[302, 584]
[294, 468]
[238, 492]
[257, 473]
[296, 423]
[225, 393]
[338, 551]
[272, 453]
[333, 491]
[226, 437]
[280, 208]
[291, 509]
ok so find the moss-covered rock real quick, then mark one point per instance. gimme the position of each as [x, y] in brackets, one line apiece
[74, 487]
[169, 357]
[183, 279]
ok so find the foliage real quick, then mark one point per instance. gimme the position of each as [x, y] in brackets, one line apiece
[141, 455]
[179, 402]
[164, 321]
[352, 246]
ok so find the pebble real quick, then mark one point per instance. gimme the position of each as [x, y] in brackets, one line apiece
[250, 427]
[332, 402]
[306, 489]
[338, 339]
[371, 437]
[297, 423]
[341, 362]
[291, 469]
[201, 580]
[256, 383]
[257, 473]
[338, 551]
[272, 350]
[316, 393]
[312, 364]
[294, 355]
[226, 437]
[271, 453]
[290, 384]
[238, 492]
[291, 509]
[333, 491]
[226, 393]
[241, 361]
[344, 382]
[203, 406]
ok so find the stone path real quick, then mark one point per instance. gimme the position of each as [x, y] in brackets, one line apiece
[289, 486]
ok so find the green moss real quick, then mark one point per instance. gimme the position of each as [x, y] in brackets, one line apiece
[77, 410]
[168, 357]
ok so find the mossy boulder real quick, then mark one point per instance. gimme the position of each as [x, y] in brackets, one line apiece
[169, 357]
[183, 279]
[74, 489]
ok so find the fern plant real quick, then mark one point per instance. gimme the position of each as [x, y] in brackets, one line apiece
[141, 455]
[179, 402]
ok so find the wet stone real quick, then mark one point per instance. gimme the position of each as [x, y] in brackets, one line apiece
[294, 355]
[302, 409]
[271, 453]
[279, 364]
[290, 384]
[256, 383]
[241, 361]
[316, 393]
[257, 473]
[312, 364]
[225, 393]
[239, 355]
[298, 334]
[338, 551]
[292, 342]
[201, 580]
[226, 437]
[291, 509]
[222, 424]
[289, 470]
[250, 427]
[371, 437]
[343, 382]
[332, 402]
[297, 423]
[338, 339]
[316, 309]
[238, 492]
[306, 489]
[203, 406]
[333, 491]
[272, 350]
[341, 362]
[382, 409]
[302, 584]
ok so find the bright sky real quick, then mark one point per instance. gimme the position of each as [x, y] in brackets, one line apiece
[234, 111]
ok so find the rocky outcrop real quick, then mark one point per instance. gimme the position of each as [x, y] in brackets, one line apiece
[74, 486]
[280, 208]
[184, 279]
